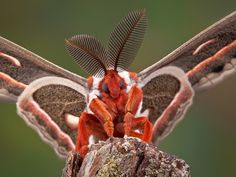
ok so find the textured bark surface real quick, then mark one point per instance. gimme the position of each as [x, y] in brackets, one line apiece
[125, 157]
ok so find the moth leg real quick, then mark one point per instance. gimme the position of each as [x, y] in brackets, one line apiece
[128, 120]
[142, 123]
[100, 110]
[134, 99]
[88, 126]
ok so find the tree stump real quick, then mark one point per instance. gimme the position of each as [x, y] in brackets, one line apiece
[125, 157]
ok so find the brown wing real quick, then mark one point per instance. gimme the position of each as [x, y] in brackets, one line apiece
[19, 67]
[167, 94]
[206, 58]
[52, 106]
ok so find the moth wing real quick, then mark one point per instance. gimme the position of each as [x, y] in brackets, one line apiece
[167, 94]
[19, 67]
[208, 57]
[52, 106]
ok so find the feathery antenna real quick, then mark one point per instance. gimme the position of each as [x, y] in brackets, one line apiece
[89, 53]
[126, 39]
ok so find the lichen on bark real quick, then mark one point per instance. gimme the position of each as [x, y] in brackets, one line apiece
[125, 157]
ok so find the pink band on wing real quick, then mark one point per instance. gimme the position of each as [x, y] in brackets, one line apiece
[12, 59]
[34, 108]
[12, 81]
[203, 45]
[218, 54]
[183, 96]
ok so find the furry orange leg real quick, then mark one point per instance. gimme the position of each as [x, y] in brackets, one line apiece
[143, 124]
[88, 125]
[130, 122]
[139, 127]
[100, 110]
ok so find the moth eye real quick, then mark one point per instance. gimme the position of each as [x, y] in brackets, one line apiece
[122, 84]
[105, 88]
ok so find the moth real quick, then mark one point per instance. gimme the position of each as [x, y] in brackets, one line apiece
[70, 112]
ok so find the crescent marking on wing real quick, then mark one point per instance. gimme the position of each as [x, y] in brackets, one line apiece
[12, 59]
[200, 47]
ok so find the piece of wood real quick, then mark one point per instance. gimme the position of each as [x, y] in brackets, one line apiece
[125, 157]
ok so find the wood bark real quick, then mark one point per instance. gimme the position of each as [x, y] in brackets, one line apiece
[125, 157]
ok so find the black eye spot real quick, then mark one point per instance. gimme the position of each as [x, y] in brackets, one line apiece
[105, 88]
[122, 84]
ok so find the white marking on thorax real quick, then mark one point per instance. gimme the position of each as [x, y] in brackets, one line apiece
[96, 82]
[130, 82]
[125, 76]
[94, 92]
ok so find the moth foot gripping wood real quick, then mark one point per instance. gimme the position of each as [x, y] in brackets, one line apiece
[128, 157]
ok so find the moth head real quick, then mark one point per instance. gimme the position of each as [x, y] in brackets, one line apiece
[112, 84]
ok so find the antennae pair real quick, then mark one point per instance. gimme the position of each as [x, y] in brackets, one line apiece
[124, 43]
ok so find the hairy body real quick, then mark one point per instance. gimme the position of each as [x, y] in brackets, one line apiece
[113, 110]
